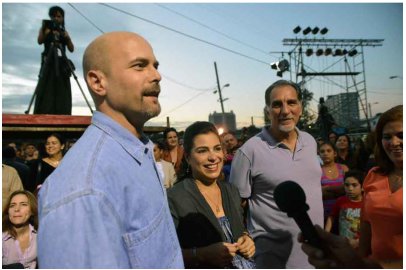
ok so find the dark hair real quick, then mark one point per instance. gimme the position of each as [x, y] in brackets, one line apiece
[9, 152]
[33, 220]
[167, 130]
[195, 129]
[349, 142]
[55, 9]
[384, 163]
[160, 145]
[281, 83]
[328, 143]
[58, 136]
[357, 174]
[332, 132]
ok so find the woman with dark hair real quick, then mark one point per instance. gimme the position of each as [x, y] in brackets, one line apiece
[332, 178]
[173, 151]
[382, 214]
[20, 222]
[344, 151]
[53, 91]
[54, 153]
[207, 213]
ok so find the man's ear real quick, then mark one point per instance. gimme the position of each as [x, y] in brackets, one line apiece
[96, 81]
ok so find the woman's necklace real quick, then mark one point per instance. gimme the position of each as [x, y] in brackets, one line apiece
[215, 204]
[54, 163]
[330, 169]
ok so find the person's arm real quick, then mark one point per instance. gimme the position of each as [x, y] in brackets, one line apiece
[329, 224]
[365, 239]
[83, 232]
[332, 192]
[43, 33]
[68, 41]
[218, 255]
[336, 252]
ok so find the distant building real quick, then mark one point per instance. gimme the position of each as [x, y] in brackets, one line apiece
[344, 108]
[229, 119]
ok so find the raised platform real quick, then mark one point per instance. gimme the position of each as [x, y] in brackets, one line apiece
[35, 127]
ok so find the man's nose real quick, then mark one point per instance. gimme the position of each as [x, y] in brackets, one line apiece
[284, 109]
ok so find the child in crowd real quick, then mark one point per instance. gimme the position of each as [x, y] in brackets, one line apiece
[347, 209]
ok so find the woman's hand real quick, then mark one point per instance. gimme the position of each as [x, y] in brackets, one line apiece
[218, 254]
[246, 246]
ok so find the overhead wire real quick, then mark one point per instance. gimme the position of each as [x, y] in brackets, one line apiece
[184, 103]
[184, 34]
[202, 90]
[86, 18]
[212, 29]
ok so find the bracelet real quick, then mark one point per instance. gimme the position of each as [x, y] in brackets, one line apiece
[247, 234]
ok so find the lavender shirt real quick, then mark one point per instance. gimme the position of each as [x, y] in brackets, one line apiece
[13, 254]
[258, 167]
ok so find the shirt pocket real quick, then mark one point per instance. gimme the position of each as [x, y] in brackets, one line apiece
[154, 246]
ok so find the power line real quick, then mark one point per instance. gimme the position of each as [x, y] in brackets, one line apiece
[213, 29]
[184, 34]
[86, 18]
[184, 103]
[185, 85]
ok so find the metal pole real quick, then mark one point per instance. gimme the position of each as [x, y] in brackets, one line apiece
[221, 98]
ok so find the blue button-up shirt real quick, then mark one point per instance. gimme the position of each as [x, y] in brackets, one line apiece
[105, 205]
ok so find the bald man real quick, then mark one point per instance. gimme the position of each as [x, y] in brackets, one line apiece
[105, 205]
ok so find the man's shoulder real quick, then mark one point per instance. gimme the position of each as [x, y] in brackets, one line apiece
[307, 137]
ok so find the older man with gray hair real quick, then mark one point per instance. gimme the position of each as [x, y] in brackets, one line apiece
[278, 153]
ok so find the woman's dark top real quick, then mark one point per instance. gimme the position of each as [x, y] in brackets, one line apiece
[195, 222]
[43, 171]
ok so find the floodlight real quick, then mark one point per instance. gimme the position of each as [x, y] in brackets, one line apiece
[307, 31]
[297, 29]
[352, 52]
[319, 52]
[345, 52]
[309, 52]
[280, 66]
[328, 51]
[324, 31]
[338, 52]
[315, 30]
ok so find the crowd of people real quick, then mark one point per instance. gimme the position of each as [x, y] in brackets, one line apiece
[115, 199]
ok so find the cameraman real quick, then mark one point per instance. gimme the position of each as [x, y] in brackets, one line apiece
[57, 27]
[53, 92]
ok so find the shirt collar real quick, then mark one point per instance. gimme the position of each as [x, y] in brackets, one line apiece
[7, 236]
[274, 143]
[136, 147]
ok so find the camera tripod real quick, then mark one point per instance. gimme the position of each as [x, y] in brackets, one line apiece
[53, 52]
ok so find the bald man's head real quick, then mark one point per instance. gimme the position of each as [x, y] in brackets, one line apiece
[98, 54]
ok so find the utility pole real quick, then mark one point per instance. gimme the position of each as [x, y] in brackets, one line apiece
[221, 98]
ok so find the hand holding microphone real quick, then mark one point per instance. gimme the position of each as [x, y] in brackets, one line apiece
[325, 250]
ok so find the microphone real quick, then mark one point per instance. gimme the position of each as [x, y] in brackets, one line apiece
[291, 199]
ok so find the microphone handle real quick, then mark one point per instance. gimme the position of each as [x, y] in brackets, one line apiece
[309, 233]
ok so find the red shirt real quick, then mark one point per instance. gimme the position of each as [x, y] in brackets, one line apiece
[349, 217]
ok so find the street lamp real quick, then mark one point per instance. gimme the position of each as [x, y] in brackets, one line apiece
[224, 86]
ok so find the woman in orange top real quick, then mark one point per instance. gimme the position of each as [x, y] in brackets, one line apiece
[382, 213]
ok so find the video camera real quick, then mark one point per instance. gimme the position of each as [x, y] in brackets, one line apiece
[53, 25]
